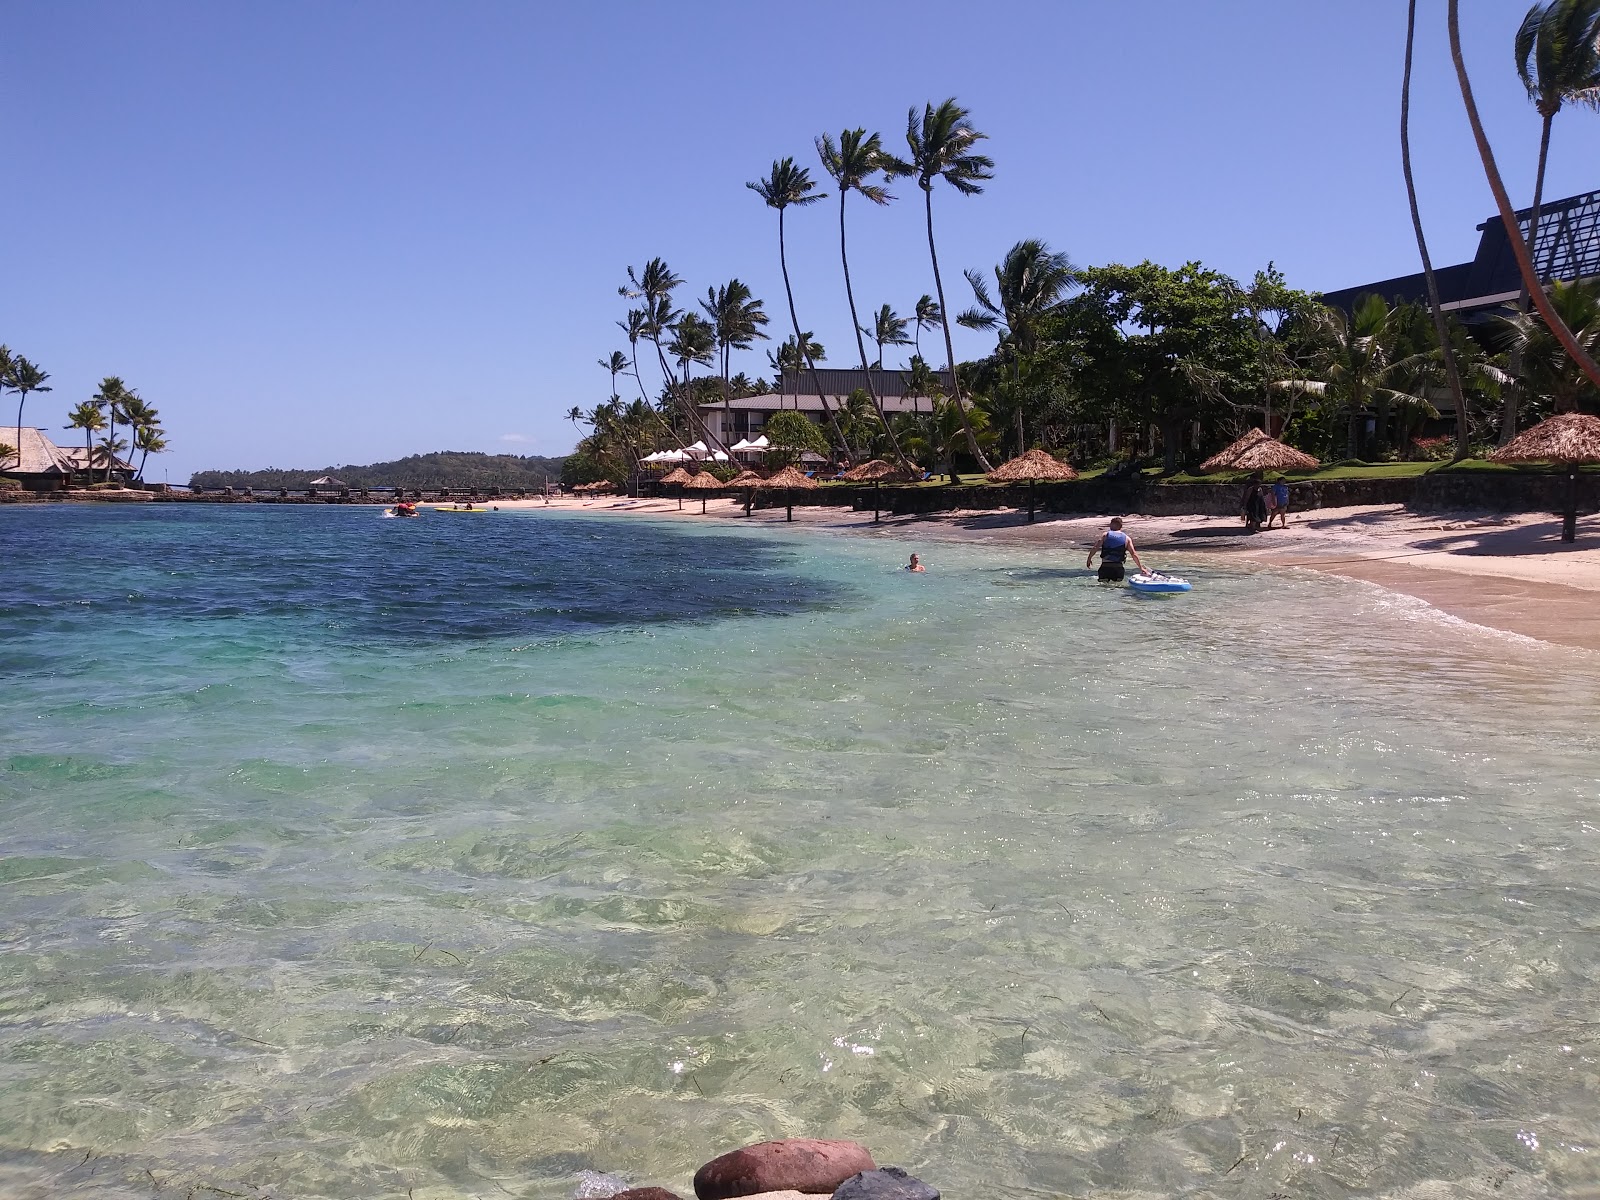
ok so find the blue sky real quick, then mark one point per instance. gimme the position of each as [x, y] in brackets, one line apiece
[317, 233]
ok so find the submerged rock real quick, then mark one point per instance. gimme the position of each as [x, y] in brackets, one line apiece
[811, 1165]
[888, 1183]
[597, 1185]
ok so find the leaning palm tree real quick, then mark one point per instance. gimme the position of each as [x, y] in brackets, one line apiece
[575, 415]
[927, 315]
[1440, 325]
[655, 285]
[88, 417]
[1508, 216]
[634, 327]
[853, 161]
[148, 439]
[22, 378]
[1557, 61]
[941, 148]
[788, 185]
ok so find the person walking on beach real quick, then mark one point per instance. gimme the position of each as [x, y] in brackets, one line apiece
[1280, 505]
[1114, 547]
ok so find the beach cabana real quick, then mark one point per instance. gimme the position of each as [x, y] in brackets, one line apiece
[788, 479]
[1034, 466]
[680, 477]
[874, 471]
[748, 480]
[1255, 451]
[704, 482]
[1566, 439]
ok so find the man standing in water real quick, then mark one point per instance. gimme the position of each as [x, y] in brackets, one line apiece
[1113, 548]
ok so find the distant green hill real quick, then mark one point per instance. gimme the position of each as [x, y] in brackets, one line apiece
[445, 468]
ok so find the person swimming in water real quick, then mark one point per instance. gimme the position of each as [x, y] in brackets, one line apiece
[915, 564]
[1113, 548]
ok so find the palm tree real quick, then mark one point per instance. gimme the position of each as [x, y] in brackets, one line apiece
[112, 398]
[148, 439]
[1546, 369]
[1440, 327]
[145, 422]
[88, 417]
[1508, 216]
[784, 186]
[575, 415]
[736, 321]
[888, 329]
[24, 377]
[110, 452]
[1558, 61]
[634, 327]
[941, 148]
[927, 315]
[7, 363]
[616, 364]
[655, 285]
[852, 162]
[920, 381]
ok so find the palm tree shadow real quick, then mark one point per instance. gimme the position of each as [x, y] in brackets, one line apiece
[1519, 541]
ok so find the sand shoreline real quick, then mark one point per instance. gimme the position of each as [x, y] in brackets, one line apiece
[1508, 572]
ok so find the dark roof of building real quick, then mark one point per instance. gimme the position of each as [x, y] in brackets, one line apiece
[1567, 248]
[841, 381]
[812, 403]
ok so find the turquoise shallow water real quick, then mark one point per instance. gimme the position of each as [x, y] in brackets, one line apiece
[343, 857]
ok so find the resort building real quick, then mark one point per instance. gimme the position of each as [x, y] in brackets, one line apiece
[47, 467]
[1567, 248]
[746, 418]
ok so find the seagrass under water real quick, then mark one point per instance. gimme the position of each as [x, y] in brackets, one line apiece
[358, 858]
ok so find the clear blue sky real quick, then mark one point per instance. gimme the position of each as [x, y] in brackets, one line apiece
[317, 233]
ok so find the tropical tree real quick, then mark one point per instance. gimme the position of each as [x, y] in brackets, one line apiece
[853, 161]
[89, 417]
[926, 315]
[941, 148]
[112, 397]
[1546, 369]
[617, 363]
[793, 356]
[888, 329]
[634, 326]
[736, 321]
[576, 415]
[785, 186]
[655, 285]
[1441, 332]
[920, 381]
[110, 451]
[23, 378]
[939, 436]
[148, 439]
[793, 433]
[1508, 216]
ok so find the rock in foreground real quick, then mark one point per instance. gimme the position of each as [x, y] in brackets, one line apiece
[890, 1183]
[811, 1165]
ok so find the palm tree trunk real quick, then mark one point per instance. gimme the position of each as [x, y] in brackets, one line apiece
[22, 398]
[804, 352]
[684, 402]
[1440, 326]
[111, 437]
[949, 345]
[1508, 216]
[861, 346]
[1508, 416]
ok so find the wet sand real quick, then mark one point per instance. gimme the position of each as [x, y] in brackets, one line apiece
[1509, 572]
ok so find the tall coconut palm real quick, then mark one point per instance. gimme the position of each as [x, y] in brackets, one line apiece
[576, 415]
[853, 161]
[785, 186]
[792, 356]
[1508, 216]
[1029, 284]
[941, 148]
[888, 329]
[736, 321]
[148, 439]
[617, 363]
[634, 327]
[655, 285]
[1547, 370]
[145, 421]
[112, 398]
[88, 417]
[23, 378]
[694, 342]
[1557, 61]
[1440, 325]
[927, 315]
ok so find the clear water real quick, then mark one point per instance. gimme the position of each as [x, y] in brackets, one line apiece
[343, 857]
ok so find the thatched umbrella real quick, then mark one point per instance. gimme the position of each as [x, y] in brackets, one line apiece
[704, 481]
[1255, 451]
[679, 476]
[874, 471]
[1035, 466]
[1566, 439]
[748, 480]
[788, 479]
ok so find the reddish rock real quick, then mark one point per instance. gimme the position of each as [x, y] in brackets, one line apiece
[646, 1193]
[808, 1165]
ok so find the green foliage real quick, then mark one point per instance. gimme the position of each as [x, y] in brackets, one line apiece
[449, 468]
[789, 430]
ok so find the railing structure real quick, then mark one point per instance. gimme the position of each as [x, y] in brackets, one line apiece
[1567, 245]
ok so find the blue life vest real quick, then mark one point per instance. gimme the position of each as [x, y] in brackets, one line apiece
[1114, 546]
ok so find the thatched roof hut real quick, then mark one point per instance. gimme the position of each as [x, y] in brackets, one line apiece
[1035, 466]
[704, 481]
[874, 470]
[1255, 451]
[747, 479]
[789, 477]
[41, 462]
[676, 475]
[1564, 438]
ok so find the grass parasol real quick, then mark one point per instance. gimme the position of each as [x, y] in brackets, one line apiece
[874, 471]
[1255, 451]
[788, 479]
[1566, 439]
[746, 479]
[704, 481]
[1034, 466]
[679, 476]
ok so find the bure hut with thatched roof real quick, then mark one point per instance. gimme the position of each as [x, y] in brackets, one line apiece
[1031, 467]
[1566, 439]
[1255, 451]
